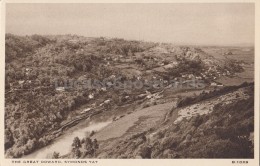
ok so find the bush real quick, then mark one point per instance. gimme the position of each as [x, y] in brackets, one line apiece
[197, 121]
[55, 155]
[145, 152]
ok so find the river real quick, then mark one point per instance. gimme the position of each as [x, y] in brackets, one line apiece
[63, 143]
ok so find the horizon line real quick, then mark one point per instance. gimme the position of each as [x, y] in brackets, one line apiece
[142, 40]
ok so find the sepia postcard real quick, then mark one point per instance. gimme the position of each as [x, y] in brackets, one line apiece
[129, 83]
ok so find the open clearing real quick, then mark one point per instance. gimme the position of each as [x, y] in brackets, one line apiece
[148, 117]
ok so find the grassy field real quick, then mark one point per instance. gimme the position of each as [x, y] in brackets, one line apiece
[140, 120]
[245, 55]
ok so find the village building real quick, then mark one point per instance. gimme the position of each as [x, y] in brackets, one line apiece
[190, 76]
[103, 89]
[198, 77]
[91, 96]
[60, 89]
[21, 82]
[216, 84]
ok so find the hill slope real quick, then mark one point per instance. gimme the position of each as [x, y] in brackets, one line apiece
[44, 81]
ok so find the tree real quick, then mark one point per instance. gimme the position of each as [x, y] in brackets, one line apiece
[95, 146]
[88, 143]
[76, 152]
[88, 146]
[22, 141]
[55, 155]
[92, 133]
[146, 152]
[31, 145]
[76, 143]
[9, 141]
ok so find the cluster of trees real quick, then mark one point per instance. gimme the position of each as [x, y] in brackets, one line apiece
[18, 46]
[233, 66]
[33, 107]
[187, 66]
[84, 148]
[123, 47]
[33, 117]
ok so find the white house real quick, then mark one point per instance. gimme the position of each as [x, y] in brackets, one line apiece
[104, 89]
[190, 76]
[213, 84]
[21, 82]
[60, 89]
[91, 96]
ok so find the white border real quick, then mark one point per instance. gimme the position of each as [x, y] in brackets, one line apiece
[128, 162]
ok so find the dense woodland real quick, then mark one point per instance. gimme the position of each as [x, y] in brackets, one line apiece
[33, 65]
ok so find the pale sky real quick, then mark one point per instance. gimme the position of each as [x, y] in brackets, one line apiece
[206, 24]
